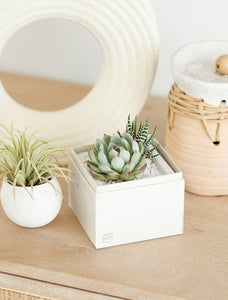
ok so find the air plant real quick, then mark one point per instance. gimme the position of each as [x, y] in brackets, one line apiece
[141, 135]
[115, 157]
[27, 161]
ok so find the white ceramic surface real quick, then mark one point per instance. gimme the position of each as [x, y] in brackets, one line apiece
[32, 212]
[126, 212]
[194, 69]
[128, 36]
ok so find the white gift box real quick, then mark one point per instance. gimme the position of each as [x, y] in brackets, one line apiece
[131, 211]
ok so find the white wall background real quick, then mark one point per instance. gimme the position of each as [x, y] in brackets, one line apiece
[63, 50]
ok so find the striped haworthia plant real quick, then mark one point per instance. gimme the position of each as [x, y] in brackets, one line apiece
[141, 135]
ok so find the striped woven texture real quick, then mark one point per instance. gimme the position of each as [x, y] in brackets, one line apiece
[15, 295]
[180, 103]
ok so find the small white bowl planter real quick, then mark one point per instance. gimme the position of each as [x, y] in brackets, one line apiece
[126, 212]
[35, 211]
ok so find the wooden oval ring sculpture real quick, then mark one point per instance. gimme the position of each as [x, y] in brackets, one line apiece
[128, 36]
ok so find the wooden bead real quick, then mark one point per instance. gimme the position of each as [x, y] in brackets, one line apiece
[222, 65]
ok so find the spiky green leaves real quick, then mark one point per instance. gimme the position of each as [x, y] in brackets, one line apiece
[29, 161]
[116, 157]
[142, 135]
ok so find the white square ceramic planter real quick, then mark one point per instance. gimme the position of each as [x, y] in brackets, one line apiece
[126, 212]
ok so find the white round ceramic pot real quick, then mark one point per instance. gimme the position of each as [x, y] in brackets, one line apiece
[35, 211]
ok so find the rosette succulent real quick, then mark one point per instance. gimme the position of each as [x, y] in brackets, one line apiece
[116, 157]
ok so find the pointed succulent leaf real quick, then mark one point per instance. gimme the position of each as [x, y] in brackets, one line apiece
[127, 176]
[145, 131]
[135, 157]
[125, 155]
[120, 135]
[93, 167]
[139, 133]
[98, 176]
[116, 140]
[104, 148]
[135, 146]
[112, 153]
[104, 168]
[149, 152]
[152, 156]
[97, 144]
[125, 144]
[129, 139]
[140, 170]
[150, 139]
[128, 167]
[141, 148]
[140, 163]
[111, 145]
[102, 158]
[93, 156]
[117, 163]
[134, 124]
[90, 162]
[107, 139]
[129, 127]
[113, 176]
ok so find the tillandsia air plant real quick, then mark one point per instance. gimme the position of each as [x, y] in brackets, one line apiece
[27, 161]
[141, 135]
[116, 158]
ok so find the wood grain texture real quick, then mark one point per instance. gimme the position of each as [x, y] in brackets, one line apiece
[37, 94]
[190, 266]
[16, 287]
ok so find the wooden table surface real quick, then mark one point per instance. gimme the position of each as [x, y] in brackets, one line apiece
[59, 261]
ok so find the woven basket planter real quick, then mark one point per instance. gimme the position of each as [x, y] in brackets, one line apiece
[197, 139]
[6, 294]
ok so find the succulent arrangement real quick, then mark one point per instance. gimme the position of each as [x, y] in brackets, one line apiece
[121, 157]
[115, 157]
[27, 161]
[141, 135]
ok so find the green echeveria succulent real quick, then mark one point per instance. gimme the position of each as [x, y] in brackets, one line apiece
[115, 157]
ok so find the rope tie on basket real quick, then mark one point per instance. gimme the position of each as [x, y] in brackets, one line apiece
[180, 103]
